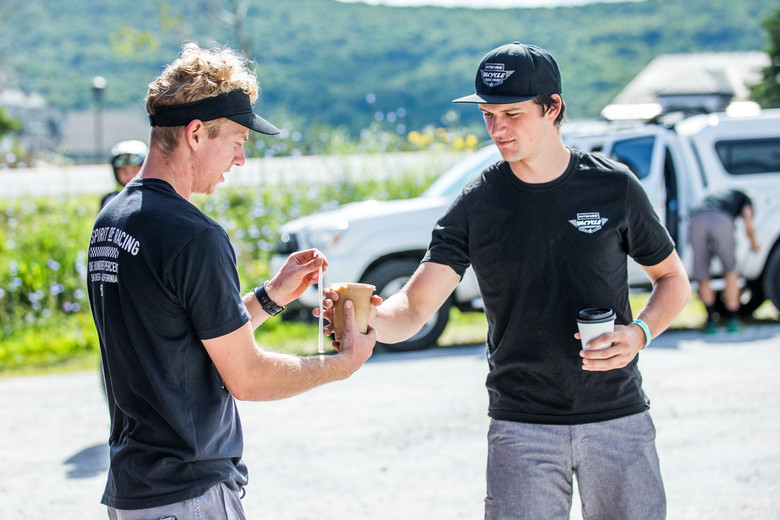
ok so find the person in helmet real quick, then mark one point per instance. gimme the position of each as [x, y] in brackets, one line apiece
[126, 160]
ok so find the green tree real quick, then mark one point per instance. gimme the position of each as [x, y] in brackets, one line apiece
[232, 14]
[7, 124]
[7, 10]
[767, 93]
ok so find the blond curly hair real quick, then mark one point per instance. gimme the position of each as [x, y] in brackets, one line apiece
[197, 74]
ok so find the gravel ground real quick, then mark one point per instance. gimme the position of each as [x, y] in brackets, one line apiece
[404, 438]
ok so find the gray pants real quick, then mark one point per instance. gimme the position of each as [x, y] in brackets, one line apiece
[530, 468]
[217, 503]
[712, 236]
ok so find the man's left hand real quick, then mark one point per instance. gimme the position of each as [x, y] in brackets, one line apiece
[627, 341]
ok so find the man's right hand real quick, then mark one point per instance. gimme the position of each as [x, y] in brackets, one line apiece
[329, 296]
[355, 348]
[253, 374]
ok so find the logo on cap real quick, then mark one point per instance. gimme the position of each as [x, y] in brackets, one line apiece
[494, 74]
[588, 222]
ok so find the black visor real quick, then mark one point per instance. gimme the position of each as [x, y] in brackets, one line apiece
[234, 105]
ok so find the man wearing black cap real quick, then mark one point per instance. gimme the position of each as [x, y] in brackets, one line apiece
[548, 230]
[176, 336]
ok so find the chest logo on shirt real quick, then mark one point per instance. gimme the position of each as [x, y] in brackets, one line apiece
[589, 222]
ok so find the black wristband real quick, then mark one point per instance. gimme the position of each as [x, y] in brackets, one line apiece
[266, 302]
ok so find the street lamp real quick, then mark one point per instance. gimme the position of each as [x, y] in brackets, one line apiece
[98, 86]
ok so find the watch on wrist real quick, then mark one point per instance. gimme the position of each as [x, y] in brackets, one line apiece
[268, 305]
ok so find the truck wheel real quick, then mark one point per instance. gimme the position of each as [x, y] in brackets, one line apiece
[772, 278]
[751, 296]
[388, 278]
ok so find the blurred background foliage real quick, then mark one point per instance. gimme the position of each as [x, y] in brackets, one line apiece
[45, 316]
[325, 64]
[338, 79]
[44, 313]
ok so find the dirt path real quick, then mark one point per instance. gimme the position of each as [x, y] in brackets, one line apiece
[405, 437]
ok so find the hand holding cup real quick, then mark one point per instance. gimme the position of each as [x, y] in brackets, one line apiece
[334, 299]
[360, 296]
[592, 323]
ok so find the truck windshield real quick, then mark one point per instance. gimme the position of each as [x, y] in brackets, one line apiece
[636, 153]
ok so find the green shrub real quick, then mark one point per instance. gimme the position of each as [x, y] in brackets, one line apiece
[43, 265]
[45, 318]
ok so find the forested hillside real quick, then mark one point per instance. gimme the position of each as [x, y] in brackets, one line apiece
[338, 64]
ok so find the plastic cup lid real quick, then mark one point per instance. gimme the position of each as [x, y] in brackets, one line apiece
[596, 315]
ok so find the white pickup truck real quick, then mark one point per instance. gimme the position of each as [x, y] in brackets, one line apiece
[382, 242]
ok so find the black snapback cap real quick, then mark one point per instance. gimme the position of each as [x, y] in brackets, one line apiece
[513, 73]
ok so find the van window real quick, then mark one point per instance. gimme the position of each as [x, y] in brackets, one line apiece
[635, 153]
[749, 156]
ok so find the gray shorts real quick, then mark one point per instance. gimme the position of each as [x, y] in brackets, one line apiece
[217, 503]
[712, 236]
[530, 469]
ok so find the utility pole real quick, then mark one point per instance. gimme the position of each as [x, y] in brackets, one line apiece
[98, 86]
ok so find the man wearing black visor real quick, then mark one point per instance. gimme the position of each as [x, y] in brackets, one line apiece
[176, 336]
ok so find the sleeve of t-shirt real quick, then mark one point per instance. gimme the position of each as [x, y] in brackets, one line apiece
[648, 241]
[744, 200]
[206, 278]
[449, 239]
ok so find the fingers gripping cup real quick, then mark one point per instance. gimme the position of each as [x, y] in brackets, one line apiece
[360, 296]
[594, 322]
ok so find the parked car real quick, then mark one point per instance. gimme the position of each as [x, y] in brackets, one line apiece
[382, 242]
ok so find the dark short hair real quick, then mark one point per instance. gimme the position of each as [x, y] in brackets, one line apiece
[548, 102]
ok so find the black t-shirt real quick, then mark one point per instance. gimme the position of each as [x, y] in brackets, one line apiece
[731, 202]
[162, 277]
[541, 253]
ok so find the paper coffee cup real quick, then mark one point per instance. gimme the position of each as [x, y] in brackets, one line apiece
[593, 322]
[360, 296]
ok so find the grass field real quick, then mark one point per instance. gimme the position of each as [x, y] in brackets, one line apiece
[463, 329]
[469, 328]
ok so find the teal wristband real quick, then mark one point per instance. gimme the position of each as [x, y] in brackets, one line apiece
[646, 330]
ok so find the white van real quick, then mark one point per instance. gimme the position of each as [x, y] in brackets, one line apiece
[382, 242]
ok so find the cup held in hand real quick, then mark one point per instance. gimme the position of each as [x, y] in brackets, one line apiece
[360, 296]
[593, 322]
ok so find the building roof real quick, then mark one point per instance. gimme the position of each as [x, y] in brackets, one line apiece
[717, 75]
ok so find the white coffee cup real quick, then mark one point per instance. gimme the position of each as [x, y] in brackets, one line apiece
[593, 322]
